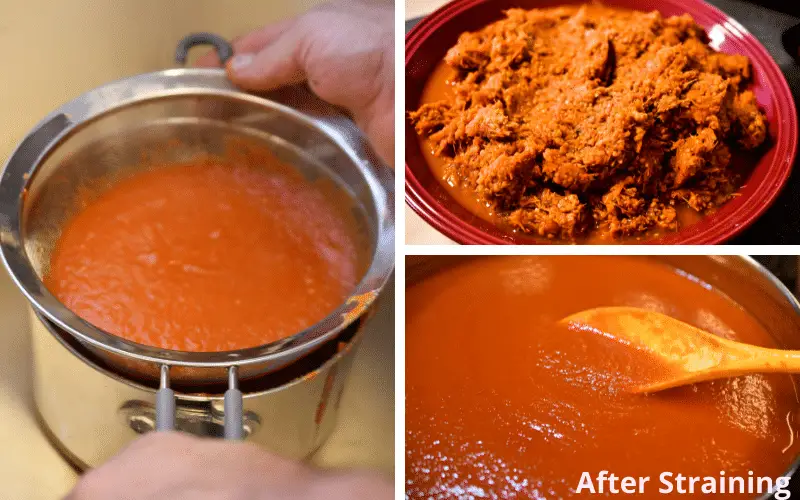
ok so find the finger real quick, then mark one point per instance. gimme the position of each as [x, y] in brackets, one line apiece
[279, 63]
[257, 40]
[250, 43]
[143, 468]
[171, 440]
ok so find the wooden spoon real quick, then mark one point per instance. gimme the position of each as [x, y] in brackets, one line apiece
[687, 354]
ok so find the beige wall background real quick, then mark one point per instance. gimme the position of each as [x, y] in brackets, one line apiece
[54, 49]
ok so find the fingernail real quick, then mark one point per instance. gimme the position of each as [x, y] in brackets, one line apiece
[241, 61]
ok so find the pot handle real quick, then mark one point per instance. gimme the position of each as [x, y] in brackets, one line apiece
[224, 49]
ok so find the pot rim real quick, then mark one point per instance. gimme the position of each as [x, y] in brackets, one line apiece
[795, 303]
[47, 135]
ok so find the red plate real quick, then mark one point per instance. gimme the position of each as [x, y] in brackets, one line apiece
[428, 42]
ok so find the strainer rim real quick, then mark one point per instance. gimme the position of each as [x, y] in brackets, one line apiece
[20, 169]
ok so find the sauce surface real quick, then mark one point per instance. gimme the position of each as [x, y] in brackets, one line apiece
[502, 402]
[211, 255]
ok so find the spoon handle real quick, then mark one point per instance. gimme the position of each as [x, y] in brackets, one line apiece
[751, 359]
[739, 360]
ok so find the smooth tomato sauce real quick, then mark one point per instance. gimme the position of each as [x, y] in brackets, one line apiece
[210, 255]
[503, 402]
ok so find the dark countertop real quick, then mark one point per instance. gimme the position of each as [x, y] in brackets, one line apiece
[784, 267]
[780, 225]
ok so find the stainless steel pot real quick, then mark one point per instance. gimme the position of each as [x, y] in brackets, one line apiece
[99, 138]
[90, 412]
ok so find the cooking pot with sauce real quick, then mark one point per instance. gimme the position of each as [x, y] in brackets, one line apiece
[95, 391]
[754, 291]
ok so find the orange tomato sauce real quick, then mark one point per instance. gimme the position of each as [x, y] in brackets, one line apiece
[210, 255]
[502, 401]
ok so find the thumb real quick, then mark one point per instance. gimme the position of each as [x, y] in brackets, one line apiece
[280, 62]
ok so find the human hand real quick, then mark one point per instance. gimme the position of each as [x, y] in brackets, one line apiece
[181, 467]
[344, 50]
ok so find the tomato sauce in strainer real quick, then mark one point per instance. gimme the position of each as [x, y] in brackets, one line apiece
[215, 254]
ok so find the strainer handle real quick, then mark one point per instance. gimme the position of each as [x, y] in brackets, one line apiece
[234, 412]
[234, 424]
[165, 403]
[223, 48]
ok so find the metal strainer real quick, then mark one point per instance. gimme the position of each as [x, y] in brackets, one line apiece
[90, 143]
